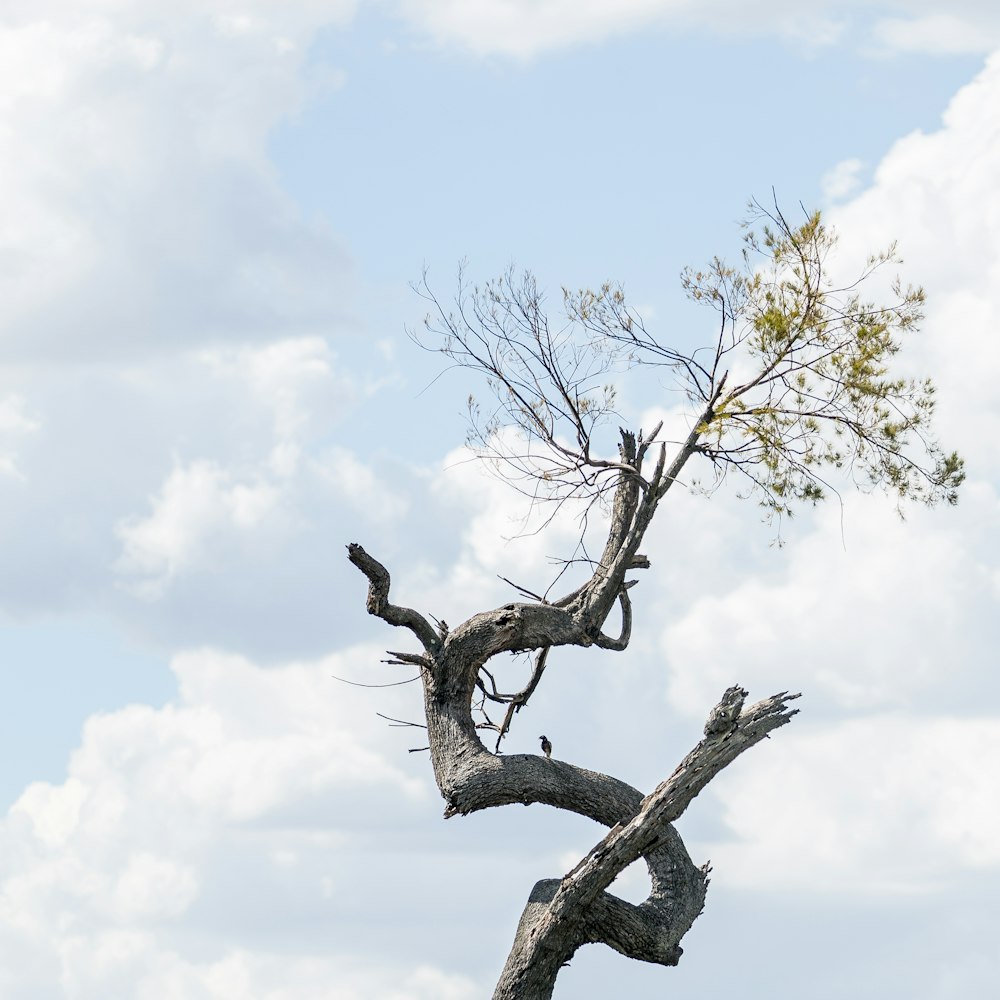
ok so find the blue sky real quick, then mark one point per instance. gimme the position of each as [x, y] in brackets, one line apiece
[212, 216]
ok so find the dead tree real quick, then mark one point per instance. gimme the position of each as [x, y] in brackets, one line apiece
[796, 384]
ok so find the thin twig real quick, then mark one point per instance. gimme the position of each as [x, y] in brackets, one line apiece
[358, 684]
[401, 722]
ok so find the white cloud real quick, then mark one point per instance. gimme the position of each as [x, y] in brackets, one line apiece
[198, 505]
[864, 612]
[14, 422]
[138, 167]
[211, 515]
[166, 308]
[945, 33]
[13, 418]
[896, 618]
[893, 637]
[497, 533]
[935, 193]
[525, 28]
[153, 887]
[287, 376]
[355, 482]
[114, 882]
[842, 180]
[204, 482]
[880, 803]
[133, 143]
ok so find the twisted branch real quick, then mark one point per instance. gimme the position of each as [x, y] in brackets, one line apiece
[563, 914]
[378, 600]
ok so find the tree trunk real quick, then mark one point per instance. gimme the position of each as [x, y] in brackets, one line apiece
[563, 914]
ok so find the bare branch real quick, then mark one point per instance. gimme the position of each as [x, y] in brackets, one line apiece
[378, 600]
[624, 845]
[417, 659]
[391, 684]
[523, 591]
[555, 923]
[603, 641]
[519, 700]
[401, 722]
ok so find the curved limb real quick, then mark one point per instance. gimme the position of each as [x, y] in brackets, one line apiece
[563, 914]
[378, 600]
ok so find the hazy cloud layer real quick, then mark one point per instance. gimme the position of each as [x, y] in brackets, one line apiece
[525, 28]
[170, 330]
[133, 143]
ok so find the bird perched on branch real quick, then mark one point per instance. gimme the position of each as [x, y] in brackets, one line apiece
[546, 746]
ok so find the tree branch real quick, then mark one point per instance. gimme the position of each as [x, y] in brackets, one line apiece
[564, 914]
[561, 915]
[378, 600]
[519, 700]
[603, 641]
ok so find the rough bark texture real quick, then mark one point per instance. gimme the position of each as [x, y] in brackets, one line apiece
[564, 913]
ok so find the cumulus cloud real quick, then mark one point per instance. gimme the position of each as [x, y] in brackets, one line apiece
[117, 880]
[296, 379]
[168, 312]
[896, 617]
[203, 505]
[884, 625]
[13, 418]
[934, 193]
[879, 804]
[521, 28]
[188, 477]
[481, 529]
[906, 605]
[196, 507]
[258, 479]
[131, 964]
[133, 145]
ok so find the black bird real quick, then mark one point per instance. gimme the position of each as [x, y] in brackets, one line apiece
[546, 746]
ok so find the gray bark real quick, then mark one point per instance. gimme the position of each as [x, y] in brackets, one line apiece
[564, 913]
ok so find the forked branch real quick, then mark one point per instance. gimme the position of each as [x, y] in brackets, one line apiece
[564, 914]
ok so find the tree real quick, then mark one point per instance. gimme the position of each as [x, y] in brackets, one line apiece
[797, 388]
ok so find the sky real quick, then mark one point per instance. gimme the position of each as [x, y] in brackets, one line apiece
[213, 214]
